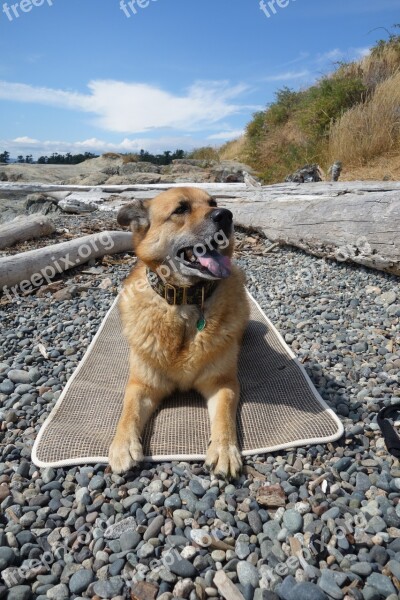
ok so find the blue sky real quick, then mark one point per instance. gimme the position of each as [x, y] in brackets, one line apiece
[81, 75]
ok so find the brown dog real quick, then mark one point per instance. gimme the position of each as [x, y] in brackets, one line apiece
[184, 310]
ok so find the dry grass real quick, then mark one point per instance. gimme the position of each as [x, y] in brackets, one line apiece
[130, 158]
[383, 168]
[284, 149]
[374, 68]
[207, 153]
[380, 65]
[279, 140]
[370, 129]
[234, 150]
[112, 155]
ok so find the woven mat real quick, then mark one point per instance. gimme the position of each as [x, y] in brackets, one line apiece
[279, 406]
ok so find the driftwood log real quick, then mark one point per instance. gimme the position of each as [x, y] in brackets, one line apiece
[359, 224]
[36, 267]
[154, 188]
[23, 229]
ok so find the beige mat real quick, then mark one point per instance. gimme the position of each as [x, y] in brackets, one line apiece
[279, 406]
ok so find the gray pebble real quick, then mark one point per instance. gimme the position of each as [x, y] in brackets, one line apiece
[179, 566]
[58, 592]
[292, 520]
[109, 588]
[129, 540]
[18, 376]
[7, 557]
[20, 592]
[381, 583]
[248, 574]
[80, 581]
[154, 528]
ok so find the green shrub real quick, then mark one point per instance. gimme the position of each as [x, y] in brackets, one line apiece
[327, 101]
[280, 111]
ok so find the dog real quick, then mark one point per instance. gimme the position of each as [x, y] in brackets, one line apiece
[184, 310]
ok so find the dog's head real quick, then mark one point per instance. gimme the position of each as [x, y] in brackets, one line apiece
[182, 235]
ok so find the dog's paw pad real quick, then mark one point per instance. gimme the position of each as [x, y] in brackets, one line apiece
[125, 455]
[224, 460]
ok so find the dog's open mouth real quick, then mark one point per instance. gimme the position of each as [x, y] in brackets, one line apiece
[206, 261]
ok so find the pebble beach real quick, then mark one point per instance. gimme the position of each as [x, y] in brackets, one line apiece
[328, 527]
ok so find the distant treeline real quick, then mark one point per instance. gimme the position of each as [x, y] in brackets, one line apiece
[161, 159]
[54, 159]
[165, 158]
[64, 159]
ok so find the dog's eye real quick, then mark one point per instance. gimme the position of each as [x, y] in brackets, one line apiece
[182, 209]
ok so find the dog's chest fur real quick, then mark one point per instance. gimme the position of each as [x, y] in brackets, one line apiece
[166, 338]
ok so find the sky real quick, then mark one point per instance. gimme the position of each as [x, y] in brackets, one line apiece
[106, 75]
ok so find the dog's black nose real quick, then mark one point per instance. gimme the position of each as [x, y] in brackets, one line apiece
[222, 216]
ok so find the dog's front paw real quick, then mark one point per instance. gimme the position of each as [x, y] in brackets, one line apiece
[224, 460]
[125, 454]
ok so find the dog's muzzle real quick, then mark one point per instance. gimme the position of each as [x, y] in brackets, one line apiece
[223, 218]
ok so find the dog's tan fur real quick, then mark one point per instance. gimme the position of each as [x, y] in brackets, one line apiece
[167, 350]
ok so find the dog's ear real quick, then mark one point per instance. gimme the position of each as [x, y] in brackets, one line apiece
[135, 216]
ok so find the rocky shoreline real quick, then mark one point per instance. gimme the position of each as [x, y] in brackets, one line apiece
[105, 171]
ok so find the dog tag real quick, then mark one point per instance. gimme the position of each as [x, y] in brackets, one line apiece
[201, 323]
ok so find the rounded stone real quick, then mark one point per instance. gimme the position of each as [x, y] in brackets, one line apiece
[146, 550]
[80, 581]
[218, 555]
[248, 574]
[7, 387]
[108, 588]
[7, 557]
[173, 502]
[97, 483]
[18, 376]
[308, 591]
[293, 521]
[19, 592]
[58, 592]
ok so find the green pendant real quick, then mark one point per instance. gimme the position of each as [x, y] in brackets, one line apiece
[201, 323]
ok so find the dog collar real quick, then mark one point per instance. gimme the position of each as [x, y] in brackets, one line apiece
[176, 296]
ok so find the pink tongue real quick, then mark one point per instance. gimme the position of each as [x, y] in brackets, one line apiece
[218, 264]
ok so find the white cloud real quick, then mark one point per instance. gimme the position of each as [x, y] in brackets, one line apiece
[21, 92]
[137, 107]
[227, 135]
[362, 52]
[25, 140]
[330, 55]
[300, 58]
[27, 145]
[337, 54]
[288, 76]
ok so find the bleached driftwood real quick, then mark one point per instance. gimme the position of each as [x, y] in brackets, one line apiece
[23, 229]
[33, 268]
[351, 222]
[30, 188]
[226, 587]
